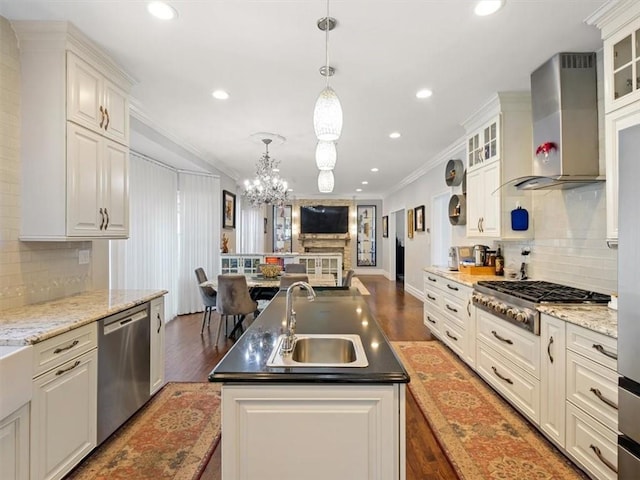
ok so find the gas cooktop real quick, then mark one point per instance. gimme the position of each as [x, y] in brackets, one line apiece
[544, 292]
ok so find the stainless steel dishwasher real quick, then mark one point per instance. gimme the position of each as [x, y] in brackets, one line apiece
[123, 367]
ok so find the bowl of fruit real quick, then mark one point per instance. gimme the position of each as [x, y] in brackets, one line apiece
[270, 270]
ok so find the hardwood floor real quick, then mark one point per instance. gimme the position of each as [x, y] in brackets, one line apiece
[191, 356]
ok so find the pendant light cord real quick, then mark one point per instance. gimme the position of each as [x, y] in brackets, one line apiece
[326, 44]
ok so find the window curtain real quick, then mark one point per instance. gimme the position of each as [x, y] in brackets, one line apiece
[199, 235]
[148, 260]
[251, 232]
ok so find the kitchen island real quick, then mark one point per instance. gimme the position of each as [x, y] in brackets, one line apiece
[313, 422]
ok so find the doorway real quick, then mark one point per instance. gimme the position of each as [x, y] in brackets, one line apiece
[399, 218]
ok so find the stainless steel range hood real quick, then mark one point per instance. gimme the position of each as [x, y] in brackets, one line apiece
[565, 123]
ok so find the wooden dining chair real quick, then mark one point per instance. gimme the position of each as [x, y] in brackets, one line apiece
[234, 300]
[209, 298]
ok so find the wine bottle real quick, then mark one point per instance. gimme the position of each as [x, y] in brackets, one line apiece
[499, 263]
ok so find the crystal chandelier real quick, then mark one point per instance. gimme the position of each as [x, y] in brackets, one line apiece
[325, 181]
[267, 187]
[326, 155]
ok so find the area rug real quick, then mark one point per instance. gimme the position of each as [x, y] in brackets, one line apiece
[171, 437]
[355, 282]
[483, 437]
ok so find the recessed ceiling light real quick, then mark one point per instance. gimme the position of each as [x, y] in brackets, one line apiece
[162, 10]
[364, 182]
[358, 189]
[290, 190]
[488, 7]
[394, 135]
[424, 93]
[220, 95]
[374, 169]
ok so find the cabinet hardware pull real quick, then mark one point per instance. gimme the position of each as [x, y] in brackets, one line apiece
[106, 214]
[431, 279]
[449, 307]
[102, 215]
[452, 288]
[65, 370]
[604, 399]
[106, 125]
[431, 319]
[451, 336]
[502, 339]
[430, 297]
[549, 349]
[606, 353]
[469, 307]
[159, 323]
[608, 464]
[479, 225]
[68, 347]
[506, 379]
[101, 116]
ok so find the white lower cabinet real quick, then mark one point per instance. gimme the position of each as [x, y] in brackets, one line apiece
[553, 378]
[323, 431]
[449, 315]
[592, 402]
[14, 445]
[157, 329]
[591, 444]
[64, 403]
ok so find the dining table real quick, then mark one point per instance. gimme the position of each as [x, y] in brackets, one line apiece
[265, 288]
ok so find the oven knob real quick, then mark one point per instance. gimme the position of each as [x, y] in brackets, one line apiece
[522, 317]
[502, 308]
[485, 301]
[511, 313]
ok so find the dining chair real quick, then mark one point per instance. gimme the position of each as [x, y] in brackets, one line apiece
[234, 300]
[295, 268]
[209, 299]
[287, 279]
[346, 278]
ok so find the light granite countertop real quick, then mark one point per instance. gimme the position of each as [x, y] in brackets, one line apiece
[598, 318]
[34, 323]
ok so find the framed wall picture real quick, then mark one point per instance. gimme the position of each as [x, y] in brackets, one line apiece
[419, 218]
[366, 235]
[410, 224]
[385, 226]
[228, 209]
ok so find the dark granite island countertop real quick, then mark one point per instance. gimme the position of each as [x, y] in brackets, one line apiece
[334, 311]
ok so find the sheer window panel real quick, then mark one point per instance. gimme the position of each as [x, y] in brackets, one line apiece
[148, 260]
[251, 231]
[199, 234]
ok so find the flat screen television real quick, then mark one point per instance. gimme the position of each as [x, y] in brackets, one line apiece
[324, 219]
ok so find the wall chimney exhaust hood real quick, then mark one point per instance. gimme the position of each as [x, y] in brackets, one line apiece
[565, 123]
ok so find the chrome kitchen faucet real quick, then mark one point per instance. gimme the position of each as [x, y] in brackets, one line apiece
[290, 333]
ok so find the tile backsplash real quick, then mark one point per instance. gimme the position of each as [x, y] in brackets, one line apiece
[30, 272]
[570, 240]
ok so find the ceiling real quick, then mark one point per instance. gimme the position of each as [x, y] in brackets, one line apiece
[267, 53]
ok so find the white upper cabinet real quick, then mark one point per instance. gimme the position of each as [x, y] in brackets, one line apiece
[620, 27]
[75, 136]
[499, 149]
[619, 22]
[95, 102]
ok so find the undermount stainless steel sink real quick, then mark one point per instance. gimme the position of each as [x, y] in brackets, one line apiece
[321, 350]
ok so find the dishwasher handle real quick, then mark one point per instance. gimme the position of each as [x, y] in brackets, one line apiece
[124, 322]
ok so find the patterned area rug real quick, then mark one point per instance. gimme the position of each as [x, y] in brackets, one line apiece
[355, 282]
[483, 436]
[171, 437]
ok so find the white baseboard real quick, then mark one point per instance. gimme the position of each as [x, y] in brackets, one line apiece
[369, 271]
[414, 291]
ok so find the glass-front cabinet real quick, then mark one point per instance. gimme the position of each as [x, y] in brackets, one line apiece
[240, 264]
[483, 144]
[282, 229]
[366, 235]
